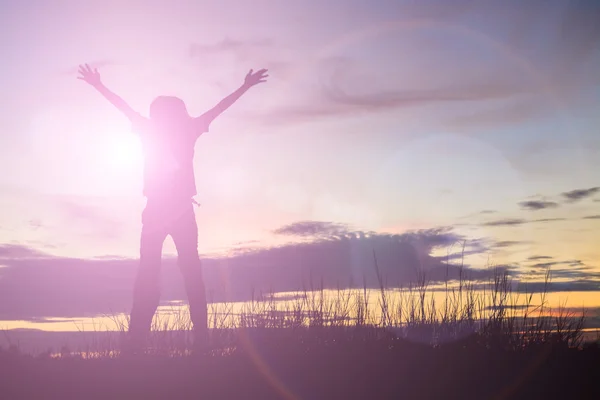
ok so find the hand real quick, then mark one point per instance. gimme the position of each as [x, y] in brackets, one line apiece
[90, 76]
[255, 78]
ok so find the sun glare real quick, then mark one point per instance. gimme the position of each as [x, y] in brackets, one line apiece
[115, 161]
[125, 150]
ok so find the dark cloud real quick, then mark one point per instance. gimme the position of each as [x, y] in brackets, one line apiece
[592, 217]
[509, 243]
[566, 269]
[488, 212]
[535, 205]
[506, 222]
[548, 220]
[580, 194]
[575, 263]
[546, 264]
[517, 221]
[581, 285]
[36, 286]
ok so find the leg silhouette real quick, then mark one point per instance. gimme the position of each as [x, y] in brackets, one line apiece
[146, 291]
[185, 236]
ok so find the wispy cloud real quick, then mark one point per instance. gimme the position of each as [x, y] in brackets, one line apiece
[580, 194]
[520, 95]
[535, 205]
[592, 217]
[548, 220]
[506, 222]
[517, 221]
[509, 243]
[535, 258]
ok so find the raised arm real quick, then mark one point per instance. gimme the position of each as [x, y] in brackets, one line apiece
[92, 77]
[251, 79]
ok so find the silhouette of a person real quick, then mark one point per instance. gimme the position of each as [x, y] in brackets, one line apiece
[168, 138]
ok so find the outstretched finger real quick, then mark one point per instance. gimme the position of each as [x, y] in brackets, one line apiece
[250, 72]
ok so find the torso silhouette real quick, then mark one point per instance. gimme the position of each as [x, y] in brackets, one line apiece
[168, 159]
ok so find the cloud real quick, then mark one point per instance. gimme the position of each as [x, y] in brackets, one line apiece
[580, 194]
[33, 285]
[535, 205]
[521, 91]
[592, 217]
[403, 98]
[546, 264]
[548, 220]
[509, 243]
[516, 221]
[565, 269]
[338, 93]
[535, 258]
[506, 222]
[581, 285]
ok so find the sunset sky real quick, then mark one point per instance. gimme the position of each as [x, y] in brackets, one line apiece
[382, 116]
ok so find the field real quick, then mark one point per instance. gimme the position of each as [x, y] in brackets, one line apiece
[321, 344]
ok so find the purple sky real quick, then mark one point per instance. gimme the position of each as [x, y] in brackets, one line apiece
[387, 116]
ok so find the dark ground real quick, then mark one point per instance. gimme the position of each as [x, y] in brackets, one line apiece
[378, 369]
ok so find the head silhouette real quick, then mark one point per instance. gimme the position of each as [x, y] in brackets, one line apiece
[168, 110]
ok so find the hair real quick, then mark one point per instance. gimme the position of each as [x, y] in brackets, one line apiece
[168, 109]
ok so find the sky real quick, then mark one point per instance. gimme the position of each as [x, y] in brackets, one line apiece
[473, 120]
